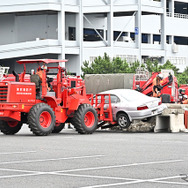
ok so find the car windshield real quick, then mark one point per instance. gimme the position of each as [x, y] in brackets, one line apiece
[131, 95]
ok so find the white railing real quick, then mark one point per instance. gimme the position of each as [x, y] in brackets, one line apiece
[169, 14]
[177, 15]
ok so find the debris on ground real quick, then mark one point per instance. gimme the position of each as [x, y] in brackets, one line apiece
[139, 126]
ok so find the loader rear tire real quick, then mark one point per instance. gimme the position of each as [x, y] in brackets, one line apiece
[10, 127]
[58, 128]
[85, 119]
[41, 119]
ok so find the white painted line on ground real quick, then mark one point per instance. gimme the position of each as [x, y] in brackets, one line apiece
[114, 184]
[120, 166]
[21, 152]
[166, 182]
[17, 170]
[45, 160]
[97, 177]
[165, 178]
[141, 181]
[21, 175]
[159, 180]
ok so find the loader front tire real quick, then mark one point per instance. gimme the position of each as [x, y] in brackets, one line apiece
[85, 119]
[10, 127]
[41, 119]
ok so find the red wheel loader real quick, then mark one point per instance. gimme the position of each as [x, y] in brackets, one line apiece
[27, 100]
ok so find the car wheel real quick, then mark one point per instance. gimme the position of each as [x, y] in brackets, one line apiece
[123, 120]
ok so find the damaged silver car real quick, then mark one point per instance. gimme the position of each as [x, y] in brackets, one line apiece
[129, 105]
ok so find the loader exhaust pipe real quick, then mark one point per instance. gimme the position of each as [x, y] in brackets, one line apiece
[16, 75]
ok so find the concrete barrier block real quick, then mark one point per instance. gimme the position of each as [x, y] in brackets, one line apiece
[170, 123]
[177, 123]
[168, 111]
[162, 124]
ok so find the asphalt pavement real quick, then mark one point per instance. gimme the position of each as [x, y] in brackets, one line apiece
[103, 159]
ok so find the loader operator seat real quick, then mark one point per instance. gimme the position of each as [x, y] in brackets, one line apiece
[36, 79]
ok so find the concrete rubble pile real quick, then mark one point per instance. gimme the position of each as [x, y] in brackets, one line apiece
[139, 126]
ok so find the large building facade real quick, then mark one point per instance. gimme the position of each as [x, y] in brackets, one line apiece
[80, 30]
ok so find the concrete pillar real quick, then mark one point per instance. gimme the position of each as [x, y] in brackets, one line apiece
[79, 35]
[171, 39]
[110, 24]
[61, 32]
[163, 26]
[163, 30]
[171, 7]
[150, 38]
[138, 31]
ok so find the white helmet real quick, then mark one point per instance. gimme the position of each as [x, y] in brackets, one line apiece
[43, 67]
[185, 96]
[160, 76]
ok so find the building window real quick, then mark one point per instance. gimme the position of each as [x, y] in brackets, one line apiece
[132, 35]
[144, 38]
[181, 40]
[72, 33]
[167, 6]
[156, 39]
[181, 8]
[92, 35]
[117, 33]
[168, 39]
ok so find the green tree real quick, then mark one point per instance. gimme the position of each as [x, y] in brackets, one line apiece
[169, 65]
[134, 66]
[182, 78]
[101, 65]
[104, 65]
[152, 66]
[119, 65]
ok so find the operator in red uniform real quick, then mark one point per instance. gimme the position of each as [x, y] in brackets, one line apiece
[40, 72]
[157, 86]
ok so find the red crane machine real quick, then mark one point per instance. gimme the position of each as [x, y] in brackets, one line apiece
[142, 82]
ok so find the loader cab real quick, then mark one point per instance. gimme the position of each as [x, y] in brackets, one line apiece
[40, 79]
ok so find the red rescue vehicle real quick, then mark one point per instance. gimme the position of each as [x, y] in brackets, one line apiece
[169, 87]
